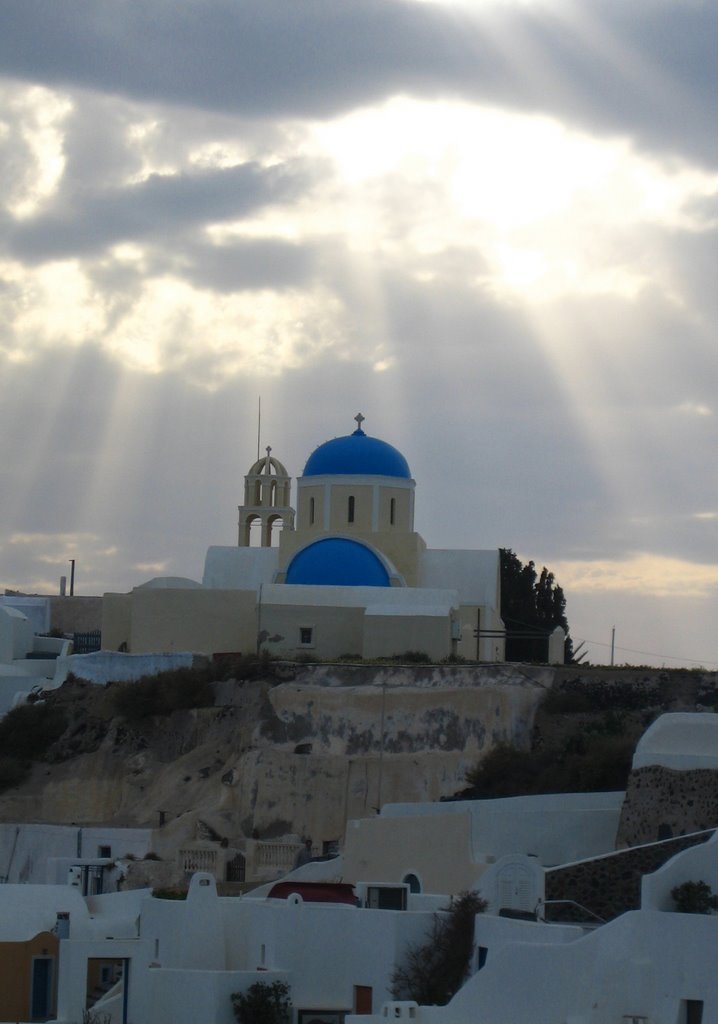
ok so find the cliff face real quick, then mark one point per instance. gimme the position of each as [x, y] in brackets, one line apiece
[309, 747]
[270, 758]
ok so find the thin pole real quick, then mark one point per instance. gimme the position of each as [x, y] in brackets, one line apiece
[72, 577]
[259, 423]
[613, 642]
[381, 748]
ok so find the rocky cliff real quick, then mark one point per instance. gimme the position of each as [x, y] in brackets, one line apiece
[299, 752]
[305, 748]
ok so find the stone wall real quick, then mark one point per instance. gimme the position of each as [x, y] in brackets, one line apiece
[611, 885]
[664, 802]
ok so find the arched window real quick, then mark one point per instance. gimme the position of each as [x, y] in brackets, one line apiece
[350, 509]
[392, 511]
[412, 881]
[311, 511]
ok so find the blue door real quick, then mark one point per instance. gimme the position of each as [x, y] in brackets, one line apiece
[41, 988]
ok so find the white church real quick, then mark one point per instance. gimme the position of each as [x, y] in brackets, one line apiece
[347, 573]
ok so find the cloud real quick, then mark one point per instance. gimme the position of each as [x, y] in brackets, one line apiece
[689, 408]
[156, 208]
[620, 68]
[642, 573]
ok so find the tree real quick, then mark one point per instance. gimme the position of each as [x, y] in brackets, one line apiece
[694, 898]
[263, 1004]
[434, 970]
[531, 607]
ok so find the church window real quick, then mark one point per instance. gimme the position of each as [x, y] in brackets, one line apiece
[350, 509]
[306, 636]
[311, 511]
[392, 511]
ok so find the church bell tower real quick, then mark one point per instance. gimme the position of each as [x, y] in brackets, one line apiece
[266, 500]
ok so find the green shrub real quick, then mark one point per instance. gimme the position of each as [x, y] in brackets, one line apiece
[562, 702]
[304, 658]
[506, 771]
[12, 772]
[170, 894]
[580, 695]
[253, 666]
[263, 1003]
[164, 693]
[434, 970]
[27, 731]
[587, 763]
[694, 898]
[412, 658]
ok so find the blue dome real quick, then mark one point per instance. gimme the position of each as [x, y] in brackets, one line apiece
[337, 562]
[357, 455]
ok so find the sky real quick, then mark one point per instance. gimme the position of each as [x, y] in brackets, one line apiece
[491, 226]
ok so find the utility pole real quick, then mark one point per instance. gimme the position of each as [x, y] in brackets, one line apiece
[72, 577]
[613, 643]
[381, 748]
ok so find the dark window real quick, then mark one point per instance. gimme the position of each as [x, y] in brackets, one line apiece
[311, 511]
[483, 952]
[694, 1011]
[413, 882]
[350, 509]
[305, 635]
[104, 851]
[392, 511]
[386, 897]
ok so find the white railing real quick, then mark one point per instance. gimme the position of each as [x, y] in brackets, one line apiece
[198, 859]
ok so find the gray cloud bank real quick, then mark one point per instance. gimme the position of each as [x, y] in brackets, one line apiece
[646, 68]
[156, 208]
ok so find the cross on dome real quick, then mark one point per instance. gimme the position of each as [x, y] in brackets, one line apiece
[359, 420]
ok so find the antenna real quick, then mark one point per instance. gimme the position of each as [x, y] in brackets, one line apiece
[259, 423]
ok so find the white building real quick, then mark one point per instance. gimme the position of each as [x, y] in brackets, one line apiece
[28, 662]
[348, 574]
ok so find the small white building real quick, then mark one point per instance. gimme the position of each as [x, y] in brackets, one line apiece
[28, 662]
[85, 857]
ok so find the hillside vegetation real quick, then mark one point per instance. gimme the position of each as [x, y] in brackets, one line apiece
[586, 730]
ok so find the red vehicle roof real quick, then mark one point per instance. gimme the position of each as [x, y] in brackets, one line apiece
[315, 892]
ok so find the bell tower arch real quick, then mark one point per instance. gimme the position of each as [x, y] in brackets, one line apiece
[266, 500]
